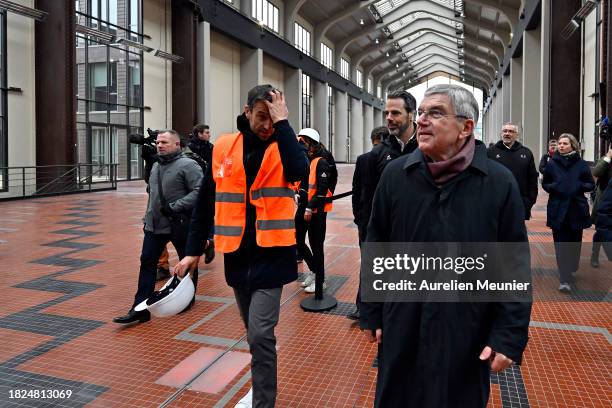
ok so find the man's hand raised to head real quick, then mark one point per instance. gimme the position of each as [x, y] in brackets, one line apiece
[278, 107]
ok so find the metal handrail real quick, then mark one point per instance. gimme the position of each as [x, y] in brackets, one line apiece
[39, 181]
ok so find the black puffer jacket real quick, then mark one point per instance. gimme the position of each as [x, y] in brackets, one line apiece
[390, 149]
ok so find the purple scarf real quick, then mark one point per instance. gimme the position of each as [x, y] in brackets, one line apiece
[443, 171]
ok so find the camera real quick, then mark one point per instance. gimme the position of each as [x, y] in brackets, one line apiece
[149, 149]
[140, 139]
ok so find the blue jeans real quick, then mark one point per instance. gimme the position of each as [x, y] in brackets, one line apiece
[152, 247]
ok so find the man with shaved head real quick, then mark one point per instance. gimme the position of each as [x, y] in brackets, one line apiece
[173, 189]
[519, 160]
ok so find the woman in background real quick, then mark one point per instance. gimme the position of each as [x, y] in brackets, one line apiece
[566, 178]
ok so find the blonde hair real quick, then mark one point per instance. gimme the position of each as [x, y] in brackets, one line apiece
[573, 141]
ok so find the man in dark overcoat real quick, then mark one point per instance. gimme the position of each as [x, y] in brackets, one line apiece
[441, 354]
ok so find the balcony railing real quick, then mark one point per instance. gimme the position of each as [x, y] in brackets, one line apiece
[40, 181]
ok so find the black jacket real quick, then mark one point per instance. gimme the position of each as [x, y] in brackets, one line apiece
[390, 149]
[543, 162]
[326, 179]
[202, 148]
[566, 179]
[364, 185]
[604, 213]
[519, 160]
[429, 352]
[252, 266]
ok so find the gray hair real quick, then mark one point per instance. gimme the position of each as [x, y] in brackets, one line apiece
[462, 100]
[573, 141]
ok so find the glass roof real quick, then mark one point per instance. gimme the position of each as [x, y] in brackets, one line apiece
[397, 25]
[384, 7]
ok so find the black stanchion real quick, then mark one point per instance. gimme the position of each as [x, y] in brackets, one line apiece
[320, 302]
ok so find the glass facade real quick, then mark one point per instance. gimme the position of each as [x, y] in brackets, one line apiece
[327, 58]
[344, 68]
[266, 13]
[108, 86]
[331, 116]
[306, 101]
[301, 39]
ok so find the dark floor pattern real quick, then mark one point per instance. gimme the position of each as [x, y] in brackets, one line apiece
[63, 329]
[512, 387]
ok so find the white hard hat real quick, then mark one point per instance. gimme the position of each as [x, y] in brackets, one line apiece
[311, 133]
[172, 298]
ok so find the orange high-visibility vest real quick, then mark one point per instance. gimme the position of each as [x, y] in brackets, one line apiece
[271, 195]
[312, 185]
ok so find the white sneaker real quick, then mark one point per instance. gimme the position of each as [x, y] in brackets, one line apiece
[309, 278]
[311, 288]
[246, 401]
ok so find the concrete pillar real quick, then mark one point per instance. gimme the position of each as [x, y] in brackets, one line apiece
[341, 121]
[245, 7]
[545, 77]
[377, 113]
[203, 74]
[320, 111]
[507, 101]
[565, 69]
[516, 92]
[251, 69]
[368, 125]
[531, 89]
[356, 130]
[500, 113]
[293, 96]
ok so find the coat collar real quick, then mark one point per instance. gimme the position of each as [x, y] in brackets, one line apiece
[479, 162]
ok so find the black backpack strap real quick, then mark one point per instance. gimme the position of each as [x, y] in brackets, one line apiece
[159, 186]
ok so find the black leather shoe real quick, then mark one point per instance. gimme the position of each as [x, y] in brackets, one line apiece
[133, 316]
[595, 261]
[162, 274]
[209, 252]
[354, 315]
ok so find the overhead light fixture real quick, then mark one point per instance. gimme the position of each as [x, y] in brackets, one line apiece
[361, 22]
[396, 65]
[387, 54]
[375, 14]
[101, 36]
[376, 41]
[403, 74]
[134, 44]
[172, 57]
[570, 29]
[581, 14]
[36, 14]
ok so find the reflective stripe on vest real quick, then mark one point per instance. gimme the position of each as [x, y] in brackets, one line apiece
[271, 195]
[312, 186]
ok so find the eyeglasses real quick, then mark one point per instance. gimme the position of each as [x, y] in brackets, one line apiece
[437, 114]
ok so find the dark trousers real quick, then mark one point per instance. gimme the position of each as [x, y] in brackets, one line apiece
[301, 229]
[362, 235]
[568, 243]
[260, 310]
[152, 247]
[315, 255]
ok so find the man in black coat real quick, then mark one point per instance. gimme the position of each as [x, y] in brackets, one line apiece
[519, 160]
[365, 178]
[399, 114]
[436, 354]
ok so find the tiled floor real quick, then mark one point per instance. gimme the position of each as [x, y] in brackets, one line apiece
[71, 264]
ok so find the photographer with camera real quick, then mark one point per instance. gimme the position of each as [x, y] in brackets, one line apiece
[173, 190]
[199, 143]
